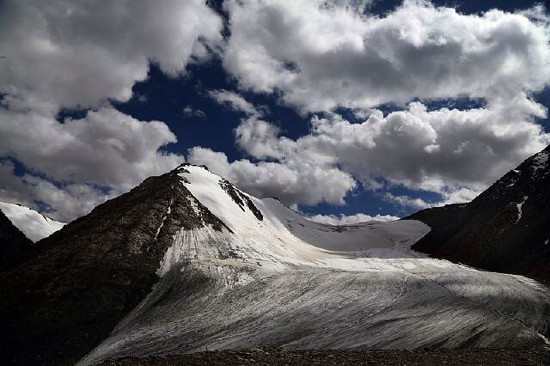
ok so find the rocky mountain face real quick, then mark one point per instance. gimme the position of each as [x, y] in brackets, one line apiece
[83, 279]
[505, 229]
[14, 245]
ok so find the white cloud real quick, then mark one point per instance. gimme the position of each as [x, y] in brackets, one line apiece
[259, 138]
[350, 219]
[235, 102]
[189, 111]
[429, 149]
[313, 55]
[62, 203]
[406, 201]
[292, 181]
[449, 195]
[321, 56]
[105, 147]
[456, 153]
[76, 53]
[317, 56]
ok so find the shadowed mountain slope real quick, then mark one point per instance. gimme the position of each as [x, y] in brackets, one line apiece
[14, 245]
[505, 229]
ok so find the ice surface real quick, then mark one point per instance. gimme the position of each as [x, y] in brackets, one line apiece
[33, 224]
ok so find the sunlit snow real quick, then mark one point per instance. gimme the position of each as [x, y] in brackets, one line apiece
[33, 224]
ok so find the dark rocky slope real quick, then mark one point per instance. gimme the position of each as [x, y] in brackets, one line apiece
[14, 245]
[505, 229]
[80, 282]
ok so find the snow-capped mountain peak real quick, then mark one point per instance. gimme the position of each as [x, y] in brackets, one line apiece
[267, 232]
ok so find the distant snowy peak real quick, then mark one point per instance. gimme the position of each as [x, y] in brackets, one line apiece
[33, 224]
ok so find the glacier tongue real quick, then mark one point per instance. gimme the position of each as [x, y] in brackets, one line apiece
[279, 280]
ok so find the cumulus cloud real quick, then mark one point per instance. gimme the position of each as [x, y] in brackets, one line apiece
[61, 202]
[292, 181]
[259, 138]
[105, 147]
[77, 164]
[406, 201]
[456, 153]
[350, 219]
[236, 102]
[77, 53]
[320, 57]
[317, 56]
[312, 55]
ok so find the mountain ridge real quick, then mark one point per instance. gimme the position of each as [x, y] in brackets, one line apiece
[504, 229]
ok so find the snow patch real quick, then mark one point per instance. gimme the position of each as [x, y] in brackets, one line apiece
[33, 224]
[519, 207]
[168, 211]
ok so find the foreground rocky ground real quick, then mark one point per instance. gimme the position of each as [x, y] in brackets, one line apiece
[491, 357]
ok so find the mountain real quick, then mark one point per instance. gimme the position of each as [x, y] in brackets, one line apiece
[19, 228]
[505, 229]
[186, 262]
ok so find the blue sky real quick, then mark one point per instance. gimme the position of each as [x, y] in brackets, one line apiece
[338, 107]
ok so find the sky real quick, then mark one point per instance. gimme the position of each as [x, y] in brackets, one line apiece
[346, 110]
